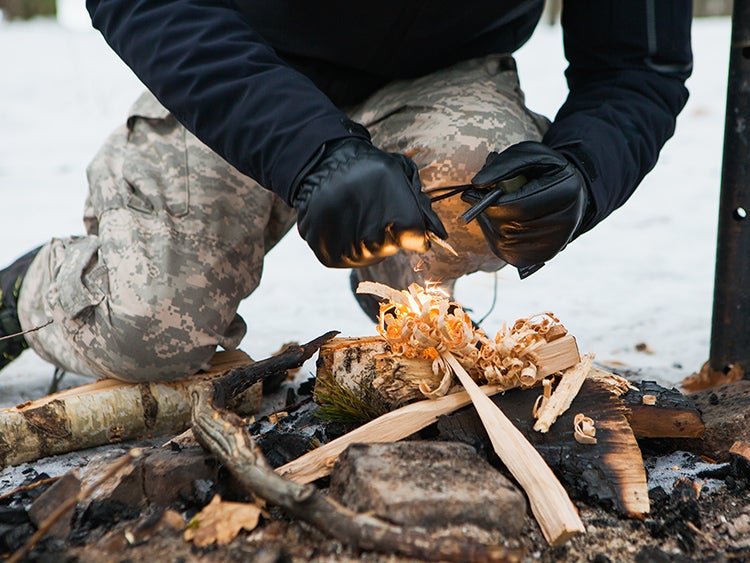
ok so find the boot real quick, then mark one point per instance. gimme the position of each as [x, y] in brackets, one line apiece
[10, 286]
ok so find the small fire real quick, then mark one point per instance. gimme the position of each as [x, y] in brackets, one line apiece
[424, 323]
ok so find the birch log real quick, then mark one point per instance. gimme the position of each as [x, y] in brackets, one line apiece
[366, 362]
[106, 411]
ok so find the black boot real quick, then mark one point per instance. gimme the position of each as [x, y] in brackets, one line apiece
[10, 286]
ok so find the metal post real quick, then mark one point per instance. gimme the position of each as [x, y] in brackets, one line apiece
[730, 329]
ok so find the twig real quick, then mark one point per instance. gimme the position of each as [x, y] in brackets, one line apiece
[28, 487]
[27, 331]
[45, 526]
[224, 434]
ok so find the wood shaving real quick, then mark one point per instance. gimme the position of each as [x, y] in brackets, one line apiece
[615, 384]
[584, 430]
[649, 399]
[423, 323]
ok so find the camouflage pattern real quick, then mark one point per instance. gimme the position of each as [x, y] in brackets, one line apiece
[176, 236]
[448, 122]
[176, 239]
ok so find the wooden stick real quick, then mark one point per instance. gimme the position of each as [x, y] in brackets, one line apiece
[390, 427]
[563, 396]
[224, 434]
[557, 516]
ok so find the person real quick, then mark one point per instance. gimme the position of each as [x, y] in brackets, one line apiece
[387, 131]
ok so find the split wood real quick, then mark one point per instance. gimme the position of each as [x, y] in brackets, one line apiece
[557, 516]
[563, 395]
[390, 427]
[225, 435]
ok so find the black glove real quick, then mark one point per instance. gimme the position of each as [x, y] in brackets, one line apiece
[529, 201]
[356, 205]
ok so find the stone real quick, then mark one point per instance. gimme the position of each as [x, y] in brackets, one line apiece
[427, 484]
[169, 474]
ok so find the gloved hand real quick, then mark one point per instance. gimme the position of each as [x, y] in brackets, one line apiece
[529, 201]
[356, 205]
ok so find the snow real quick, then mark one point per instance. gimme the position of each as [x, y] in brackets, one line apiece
[643, 276]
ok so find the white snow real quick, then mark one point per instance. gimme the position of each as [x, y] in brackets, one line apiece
[644, 275]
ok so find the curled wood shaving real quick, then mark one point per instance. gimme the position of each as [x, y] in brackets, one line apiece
[541, 400]
[649, 399]
[423, 323]
[584, 430]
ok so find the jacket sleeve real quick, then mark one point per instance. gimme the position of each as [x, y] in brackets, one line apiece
[628, 63]
[224, 83]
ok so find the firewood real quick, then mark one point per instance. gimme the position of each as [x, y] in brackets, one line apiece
[225, 435]
[366, 362]
[104, 412]
[741, 449]
[610, 471]
[390, 427]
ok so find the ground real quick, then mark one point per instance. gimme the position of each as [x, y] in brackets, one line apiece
[714, 528]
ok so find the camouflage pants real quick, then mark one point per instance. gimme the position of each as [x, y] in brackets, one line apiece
[176, 237]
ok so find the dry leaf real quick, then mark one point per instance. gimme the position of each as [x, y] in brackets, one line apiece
[220, 521]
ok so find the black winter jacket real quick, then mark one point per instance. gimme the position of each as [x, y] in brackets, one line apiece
[261, 81]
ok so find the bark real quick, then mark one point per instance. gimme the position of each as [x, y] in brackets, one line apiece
[107, 411]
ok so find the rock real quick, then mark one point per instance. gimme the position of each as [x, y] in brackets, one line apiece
[160, 477]
[67, 487]
[726, 415]
[427, 484]
[168, 474]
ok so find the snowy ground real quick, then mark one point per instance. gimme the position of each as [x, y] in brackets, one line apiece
[644, 275]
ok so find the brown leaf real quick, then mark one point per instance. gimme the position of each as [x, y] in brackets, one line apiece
[219, 522]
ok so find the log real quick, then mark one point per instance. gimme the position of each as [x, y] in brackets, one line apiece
[357, 363]
[673, 415]
[106, 411]
[610, 472]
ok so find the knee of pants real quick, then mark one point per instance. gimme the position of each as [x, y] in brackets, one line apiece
[150, 345]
